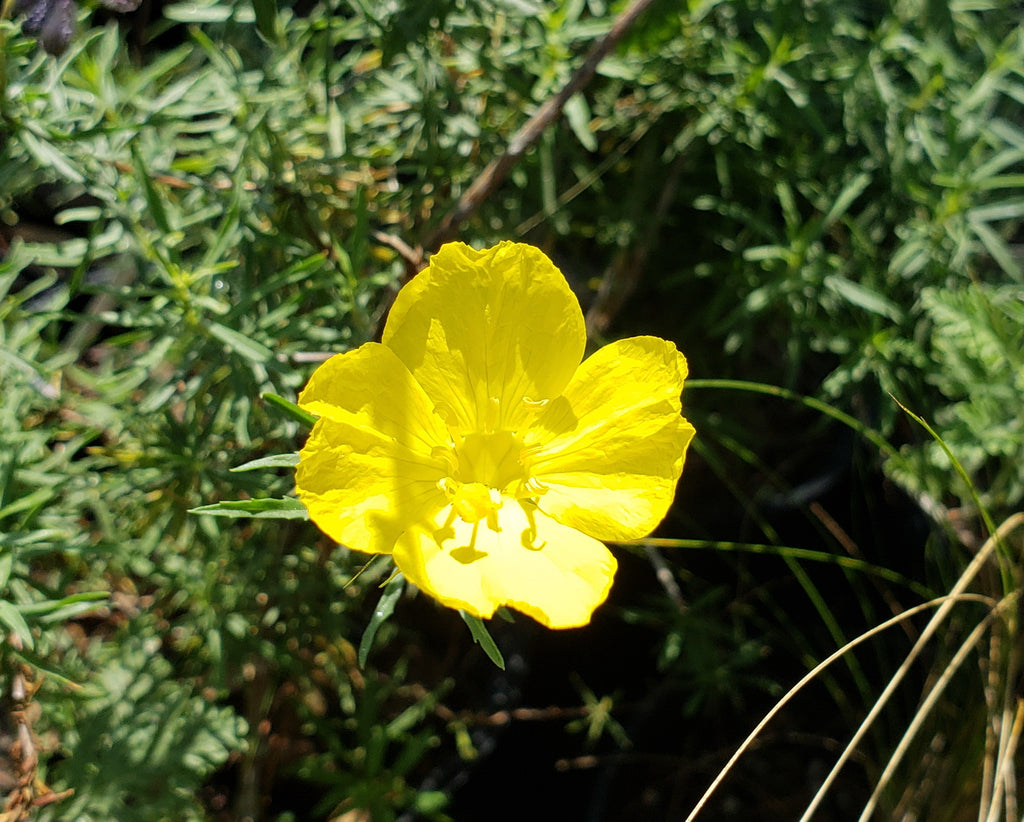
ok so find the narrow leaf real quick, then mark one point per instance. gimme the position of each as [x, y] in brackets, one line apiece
[266, 18]
[578, 114]
[958, 466]
[12, 618]
[195, 13]
[286, 508]
[483, 638]
[853, 190]
[241, 344]
[864, 297]
[997, 247]
[274, 461]
[53, 605]
[385, 608]
[153, 199]
[48, 157]
[291, 409]
[6, 564]
[863, 430]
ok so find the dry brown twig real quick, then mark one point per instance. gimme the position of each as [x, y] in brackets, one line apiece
[28, 791]
[524, 139]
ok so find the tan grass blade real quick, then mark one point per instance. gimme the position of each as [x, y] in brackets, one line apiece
[1005, 778]
[924, 710]
[940, 602]
[937, 619]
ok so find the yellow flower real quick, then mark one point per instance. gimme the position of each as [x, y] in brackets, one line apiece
[474, 446]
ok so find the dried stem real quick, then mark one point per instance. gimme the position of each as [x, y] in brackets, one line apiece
[524, 139]
[30, 791]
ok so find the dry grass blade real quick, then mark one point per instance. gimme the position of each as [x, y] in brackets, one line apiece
[926, 708]
[933, 625]
[1005, 779]
[941, 602]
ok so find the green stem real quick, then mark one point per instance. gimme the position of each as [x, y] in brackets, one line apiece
[865, 431]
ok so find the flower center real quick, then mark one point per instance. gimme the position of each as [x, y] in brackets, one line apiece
[493, 460]
[486, 469]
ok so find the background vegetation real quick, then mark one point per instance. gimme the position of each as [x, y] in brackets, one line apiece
[819, 202]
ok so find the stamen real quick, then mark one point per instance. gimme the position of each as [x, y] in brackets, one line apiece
[529, 535]
[445, 453]
[532, 487]
[474, 501]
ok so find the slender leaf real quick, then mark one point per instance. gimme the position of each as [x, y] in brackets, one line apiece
[12, 618]
[240, 344]
[483, 638]
[286, 508]
[385, 608]
[274, 461]
[291, 409]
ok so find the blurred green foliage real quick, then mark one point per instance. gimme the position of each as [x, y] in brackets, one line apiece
[195, 206]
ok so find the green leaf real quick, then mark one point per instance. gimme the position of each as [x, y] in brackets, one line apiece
[27, 502]
[957, 465]
[46, 667]
[274, 461]
[54, 609]
[153, 198]
[997, 247]
[846, 197]
[870, 434]
[864, 297]
[266, 18]
[993, 212]
[578, 114]
[6, 564]
[291, 409]
[48, 157]
[12, 618]
[483, 638]
[430, 802]
[241, 344]
[385, 608]
[286, 508]
[765, 252]
[196, 13]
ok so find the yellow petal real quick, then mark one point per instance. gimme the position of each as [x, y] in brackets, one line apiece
[482, 331]
[371, 464]
[553, 573]
[611, 449]
[371, 384]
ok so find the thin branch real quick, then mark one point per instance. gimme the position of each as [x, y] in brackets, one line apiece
[496, 171]
[664, 576]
